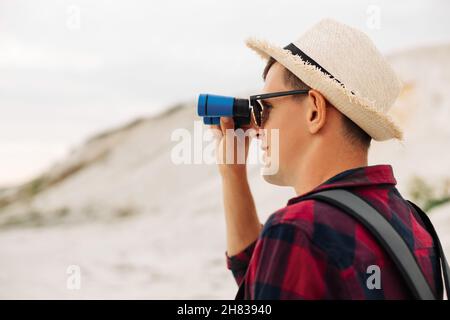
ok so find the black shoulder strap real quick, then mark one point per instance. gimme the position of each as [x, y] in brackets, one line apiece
[387, 236]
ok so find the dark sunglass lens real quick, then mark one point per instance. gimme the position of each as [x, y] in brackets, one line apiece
[257, 110]
[265, 113]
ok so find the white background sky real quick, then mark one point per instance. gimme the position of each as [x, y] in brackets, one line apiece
[62, 81]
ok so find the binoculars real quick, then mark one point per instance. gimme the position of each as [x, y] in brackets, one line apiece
[212, 107]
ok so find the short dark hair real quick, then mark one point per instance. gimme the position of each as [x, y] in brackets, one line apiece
[351, 130]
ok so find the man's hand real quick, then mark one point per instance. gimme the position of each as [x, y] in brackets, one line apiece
[243, 226]
[233, 146]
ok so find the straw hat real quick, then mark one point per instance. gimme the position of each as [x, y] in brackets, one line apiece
[343, 64]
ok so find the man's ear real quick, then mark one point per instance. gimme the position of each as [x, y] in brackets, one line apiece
[317, 111]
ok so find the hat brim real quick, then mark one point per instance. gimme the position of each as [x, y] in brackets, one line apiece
[380, 126]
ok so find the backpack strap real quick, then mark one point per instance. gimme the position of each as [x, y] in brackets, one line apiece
[386, 235]
[442, 261]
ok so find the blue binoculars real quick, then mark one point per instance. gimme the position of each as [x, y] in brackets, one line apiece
[212, 107]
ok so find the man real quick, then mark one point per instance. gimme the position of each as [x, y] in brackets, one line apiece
[309, 249]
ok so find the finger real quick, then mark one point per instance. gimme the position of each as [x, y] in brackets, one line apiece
[215, 127]
[253, 130]
[226, 123]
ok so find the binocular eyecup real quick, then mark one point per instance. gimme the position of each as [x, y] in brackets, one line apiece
[212, 107]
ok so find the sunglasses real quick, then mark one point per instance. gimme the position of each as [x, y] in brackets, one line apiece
[261, 112]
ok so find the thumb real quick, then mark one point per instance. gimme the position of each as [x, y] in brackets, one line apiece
[226, 123]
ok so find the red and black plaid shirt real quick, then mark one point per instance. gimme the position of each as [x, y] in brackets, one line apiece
[312, 250]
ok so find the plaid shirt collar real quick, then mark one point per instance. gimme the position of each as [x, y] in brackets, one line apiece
[355, 177]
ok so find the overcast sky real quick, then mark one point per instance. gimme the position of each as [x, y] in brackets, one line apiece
[69, 69]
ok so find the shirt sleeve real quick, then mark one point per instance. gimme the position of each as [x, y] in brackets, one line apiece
[239, 262]
[284, 266]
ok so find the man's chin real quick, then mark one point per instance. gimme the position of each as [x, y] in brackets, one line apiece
[270, 171]
[274, 179]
